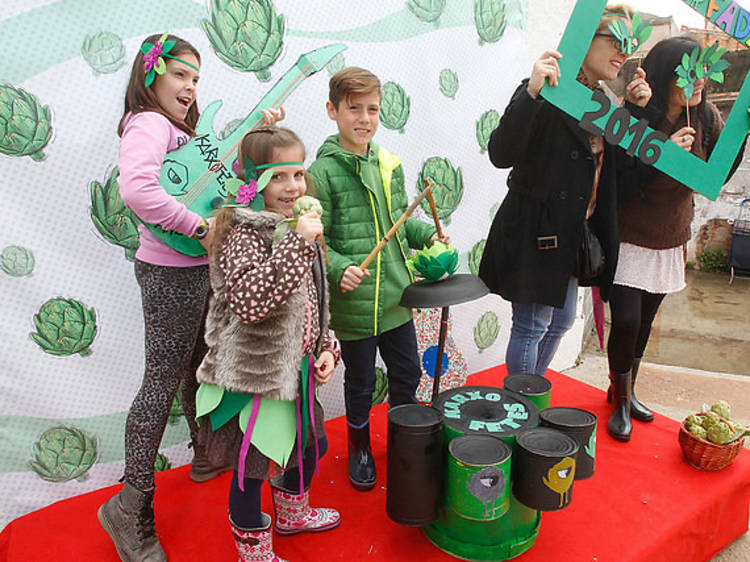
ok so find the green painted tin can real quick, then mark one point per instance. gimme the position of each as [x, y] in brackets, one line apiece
[535, 388]
[478, 477]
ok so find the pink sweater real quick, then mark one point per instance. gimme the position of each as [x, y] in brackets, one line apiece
[146, 138]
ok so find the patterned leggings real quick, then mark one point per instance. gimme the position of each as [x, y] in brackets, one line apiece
[175, 301]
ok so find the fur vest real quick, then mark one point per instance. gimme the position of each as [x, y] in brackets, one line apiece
[260, 358]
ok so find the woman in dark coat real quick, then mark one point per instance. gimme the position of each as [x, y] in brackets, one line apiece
[561, 177]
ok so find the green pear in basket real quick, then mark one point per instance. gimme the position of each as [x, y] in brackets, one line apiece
[434, 263]
[302, 206]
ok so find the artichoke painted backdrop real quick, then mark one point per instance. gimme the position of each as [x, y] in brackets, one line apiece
[448, 83]
[426, 10]
[475, 256]
[63, 454]
[17, 261]
[448, 189]
[25, 124]
[486, 330]
[246, 34]
[487, 123]
[489, 20]
[394, 107]
[65, 327]
[114, 221]
[104, 52]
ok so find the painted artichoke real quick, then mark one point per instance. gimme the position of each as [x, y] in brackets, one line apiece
[448, 190]
[104, 52]
[175, 410]
[434, 263]
[475, 256]
[161, 463]
[229, 128]
[63, 454]
[493, 210]
[486, 330]
[17, 261]
[65, 327]
[426, 10]
[336, 63]
[115, 222]
[25, 124]
[448, 83]
[487, 123]
[489, 19]
[381, 387]
[246, 34]
[394, 107]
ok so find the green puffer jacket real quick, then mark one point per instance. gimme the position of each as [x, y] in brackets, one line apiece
[358, 209]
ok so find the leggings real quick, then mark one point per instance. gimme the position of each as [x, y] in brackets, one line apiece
[175, 301]
[633, 312]
[244, 507]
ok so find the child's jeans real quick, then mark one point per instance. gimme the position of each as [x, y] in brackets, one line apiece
[398, 348]
[536, 333]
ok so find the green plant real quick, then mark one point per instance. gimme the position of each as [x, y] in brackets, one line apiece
[713, 260]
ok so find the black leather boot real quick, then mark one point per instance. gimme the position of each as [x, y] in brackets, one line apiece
[619, 425]
[637, 410]
[361, 462]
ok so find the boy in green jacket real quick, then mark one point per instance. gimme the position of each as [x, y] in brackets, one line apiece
[361, 188]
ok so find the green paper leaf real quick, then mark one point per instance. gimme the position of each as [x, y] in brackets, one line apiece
[146, 47]
[717, 77]
[233, 186]
[168, 46]
[685, 61]
[682, 82]
[694, 56]
[264, 178]
[150, 75]
[160, 67]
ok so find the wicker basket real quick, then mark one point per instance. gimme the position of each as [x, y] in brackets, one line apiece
[704, 454]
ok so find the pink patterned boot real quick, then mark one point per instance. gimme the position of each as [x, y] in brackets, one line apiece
[255, 545]
[294, 514]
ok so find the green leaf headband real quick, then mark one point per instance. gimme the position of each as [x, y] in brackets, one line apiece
[707, 64]
[246, 194]
[153, 63]
[632, 38]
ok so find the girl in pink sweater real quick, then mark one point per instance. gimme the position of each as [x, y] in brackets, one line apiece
[160, 116]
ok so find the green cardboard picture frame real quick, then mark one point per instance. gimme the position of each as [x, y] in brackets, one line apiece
[596, 114]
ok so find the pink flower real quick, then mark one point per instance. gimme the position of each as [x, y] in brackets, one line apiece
[246, 193]
[151, 58]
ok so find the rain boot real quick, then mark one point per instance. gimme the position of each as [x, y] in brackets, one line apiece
[255, 545]
[619, 425]
[294, 514]
[637, 410]
[361, 462]
[128, 518]
[201, 469]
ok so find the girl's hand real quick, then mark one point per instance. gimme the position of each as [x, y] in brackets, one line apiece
[638, 91]
[324, 367]
[545, 68]
[352, 278]
[272, 116]
[310, 227]
[684, 138]
[445, 238]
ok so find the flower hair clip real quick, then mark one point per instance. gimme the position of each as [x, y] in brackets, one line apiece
[153, 58]
[244, 193]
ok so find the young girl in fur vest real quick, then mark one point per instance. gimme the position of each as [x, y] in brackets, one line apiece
[268, 338]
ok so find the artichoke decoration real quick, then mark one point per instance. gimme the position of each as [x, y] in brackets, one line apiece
[493, 210]
[302, 206]
[64, 327]
[475, 256]
[448, 83]
[104, 52]
[336, 63]
[246, 34]
[17, 261]
[115, 222]
[631, 33]
[701, 63]
[434, 263]
[381, 387]
[448, 188]
[486, 330]
[175, 410]
[229, 128]
[63, 454]
[426, 10]
[489, 20]
[488, 122]
[161, 463]
[25, 124]
[394, 107]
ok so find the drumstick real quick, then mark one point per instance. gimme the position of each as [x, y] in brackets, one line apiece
[430, 184]
[394, 228]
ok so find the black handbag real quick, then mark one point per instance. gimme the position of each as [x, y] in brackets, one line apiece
[590, 260]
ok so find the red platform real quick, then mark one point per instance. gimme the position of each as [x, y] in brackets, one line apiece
[644, 503]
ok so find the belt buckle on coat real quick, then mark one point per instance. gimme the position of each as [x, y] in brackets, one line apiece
[546, 242]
